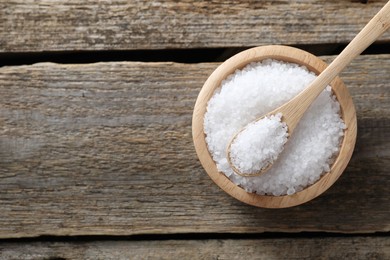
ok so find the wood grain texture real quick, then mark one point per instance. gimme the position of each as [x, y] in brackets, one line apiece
[50, 25]
[106, 149]
[268, 249]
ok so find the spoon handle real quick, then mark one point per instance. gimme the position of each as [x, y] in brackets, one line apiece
[373, 30]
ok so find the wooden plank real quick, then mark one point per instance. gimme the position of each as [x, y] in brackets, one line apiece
[106, 149]
[50, 25]
[286, 248]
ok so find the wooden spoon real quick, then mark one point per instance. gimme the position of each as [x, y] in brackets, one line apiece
[293, 110]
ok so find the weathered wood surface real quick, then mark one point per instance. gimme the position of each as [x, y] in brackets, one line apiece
[51, 25]
[106, 149]
[268, 249]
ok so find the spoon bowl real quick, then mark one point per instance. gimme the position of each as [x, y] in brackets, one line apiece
[286, 54]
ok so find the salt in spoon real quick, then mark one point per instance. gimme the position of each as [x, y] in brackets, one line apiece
[293, 110]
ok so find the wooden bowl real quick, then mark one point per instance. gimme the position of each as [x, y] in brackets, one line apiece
[291, 55]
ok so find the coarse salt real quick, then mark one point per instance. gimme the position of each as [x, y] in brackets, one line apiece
[264, 138]
[252, 92]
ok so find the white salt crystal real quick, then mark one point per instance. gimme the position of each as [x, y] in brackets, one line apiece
[254, 91]
[264, 139]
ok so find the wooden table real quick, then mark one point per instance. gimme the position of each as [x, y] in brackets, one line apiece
[96, 153]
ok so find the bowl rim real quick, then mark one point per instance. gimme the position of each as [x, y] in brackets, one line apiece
[287, 54]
